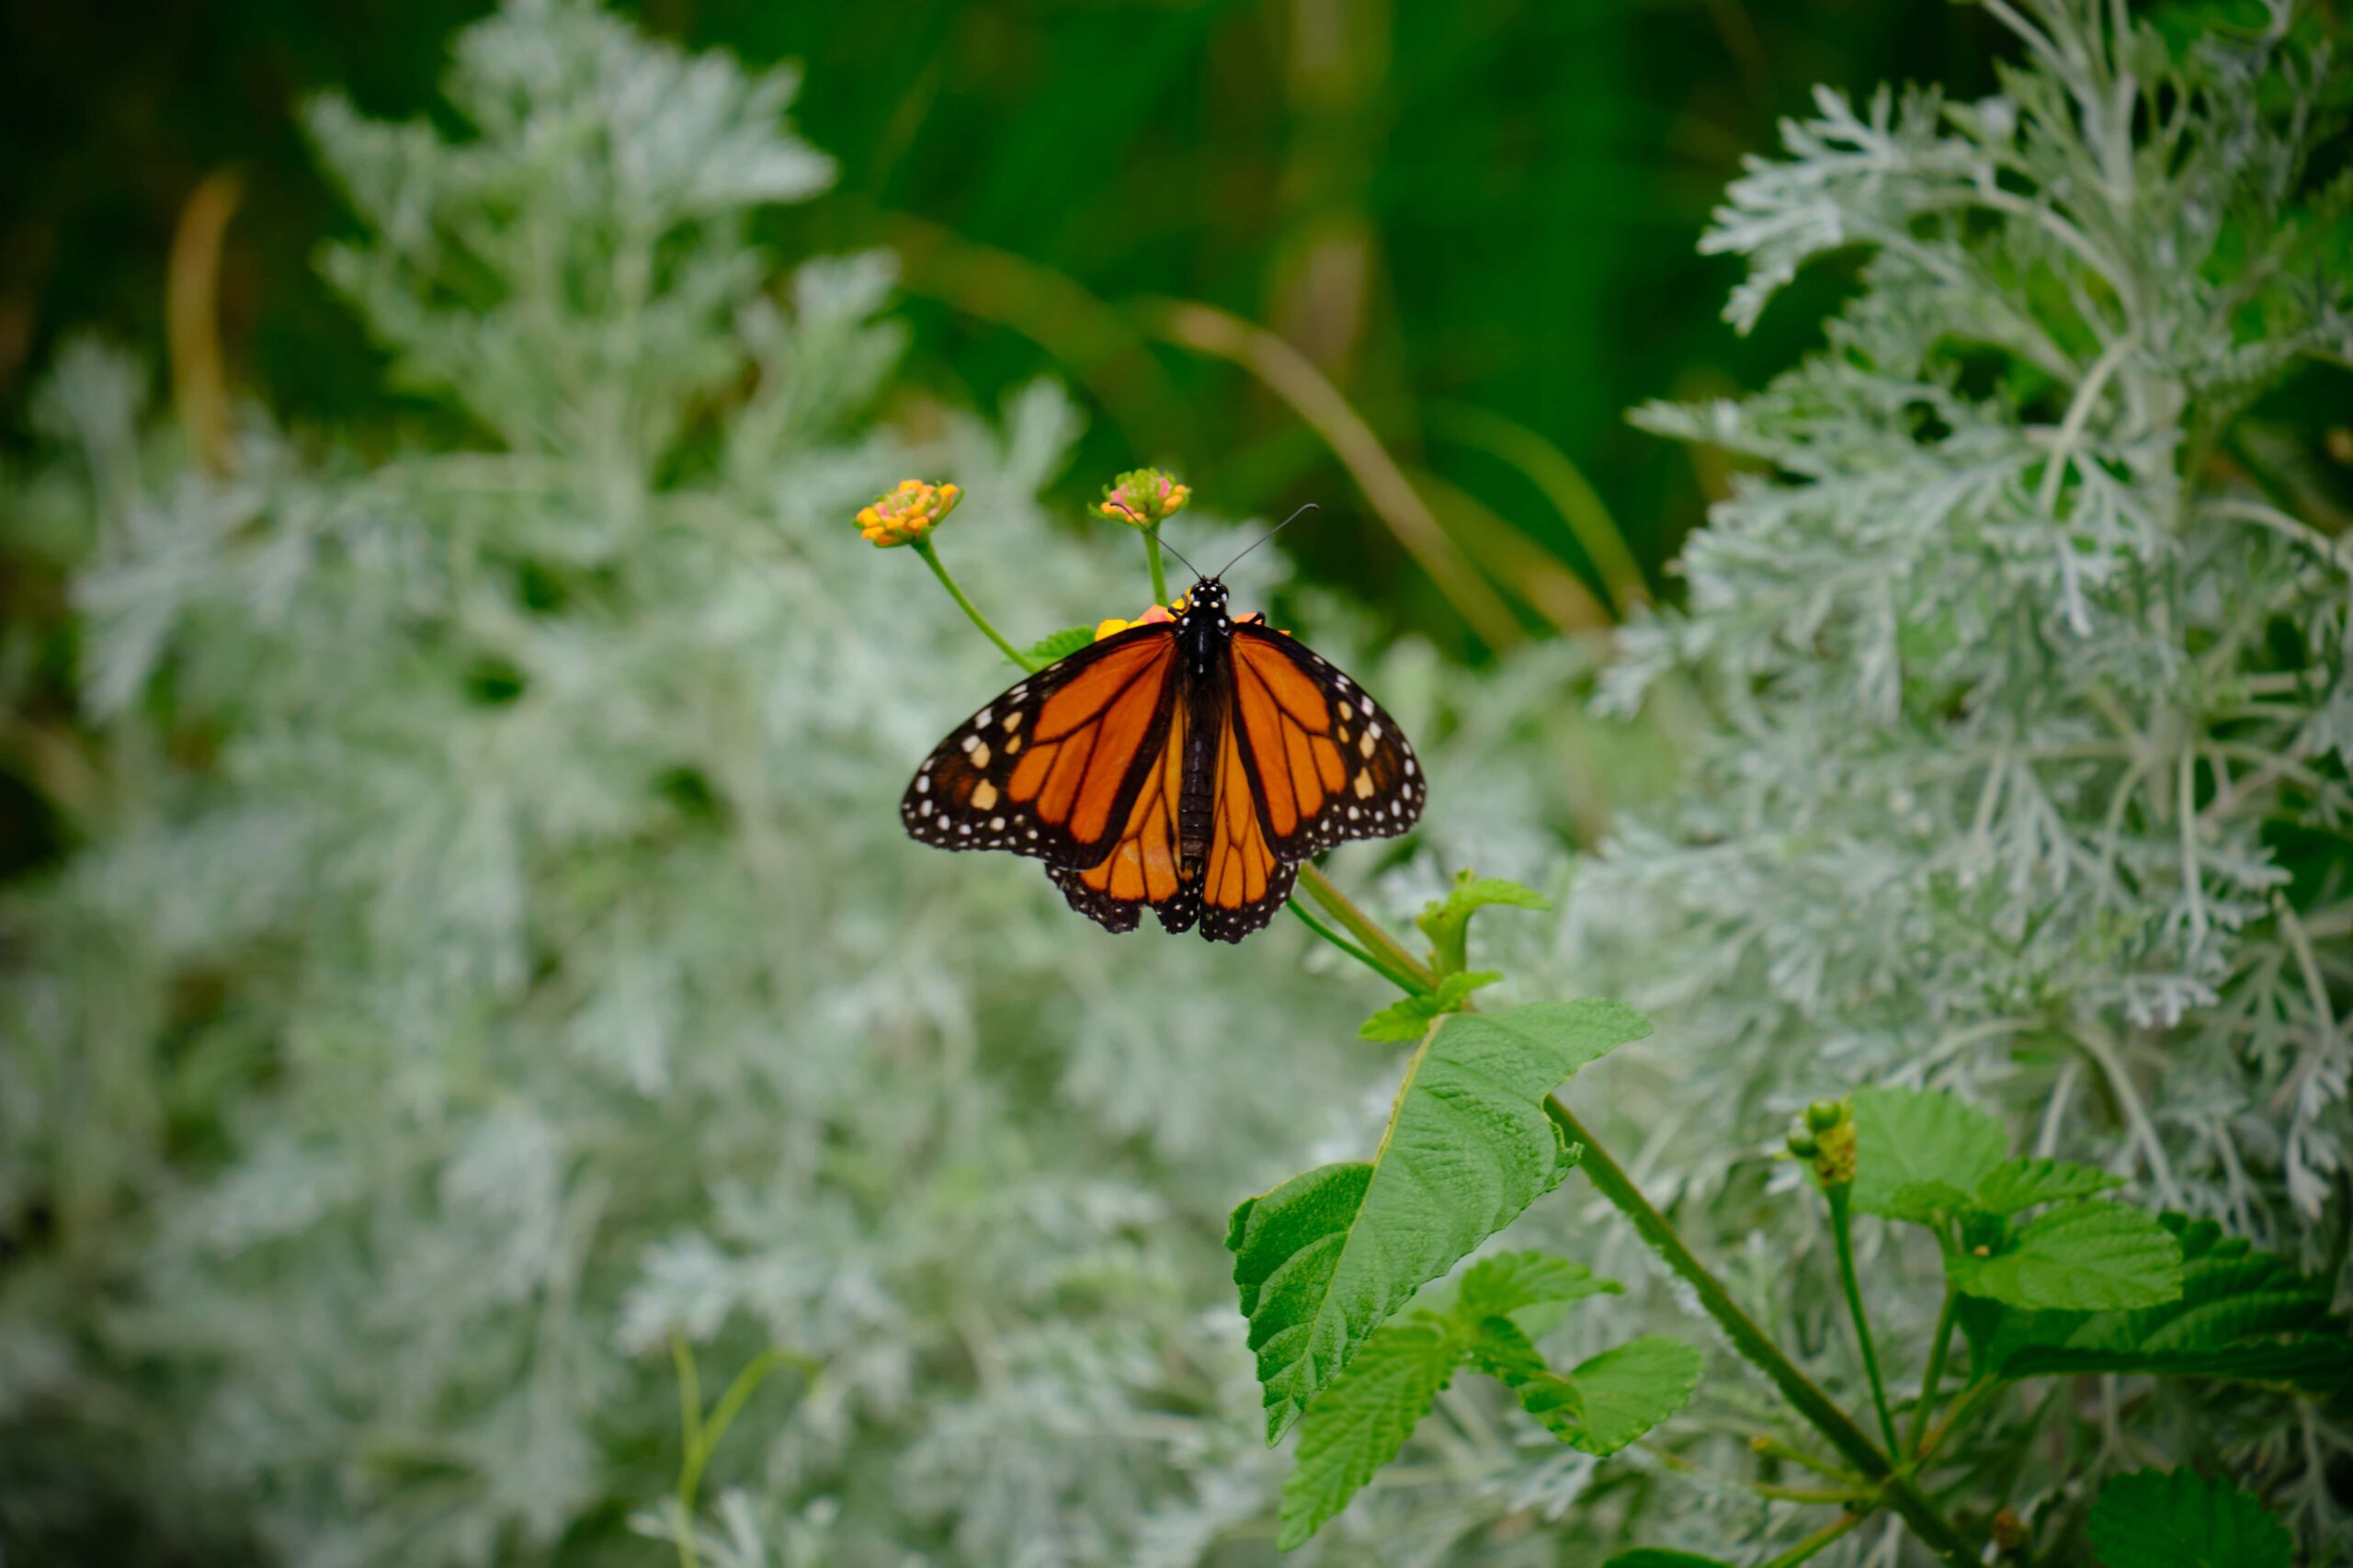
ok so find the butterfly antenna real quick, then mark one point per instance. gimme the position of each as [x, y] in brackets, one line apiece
[1179, 555]
[1265, 537]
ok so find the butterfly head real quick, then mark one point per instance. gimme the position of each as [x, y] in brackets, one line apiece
[1205, 604]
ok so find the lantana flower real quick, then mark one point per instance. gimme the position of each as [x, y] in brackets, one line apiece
[906, 513]
[1142, 498]
[1156, 615]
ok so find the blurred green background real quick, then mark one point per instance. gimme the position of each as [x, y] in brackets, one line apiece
[1487, 207]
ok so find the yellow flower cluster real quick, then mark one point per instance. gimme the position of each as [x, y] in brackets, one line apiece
[907, 513]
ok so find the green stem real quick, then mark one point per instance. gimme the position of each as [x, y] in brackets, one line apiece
[931, 559]
[702, 1436]
[1845, 1495]
[1152, 559]
[682, 1523]
[1338, 905]
[1357, 953]
[1971, 1397]
[1842, 1230]
[1817, 1540]
[1773, 1448]
[1808, 1400]
[1935, 1374]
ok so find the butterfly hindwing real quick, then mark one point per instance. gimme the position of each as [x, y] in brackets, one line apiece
[1244, 882]
[1052, 768]
[1328, 763]
[1144, 865]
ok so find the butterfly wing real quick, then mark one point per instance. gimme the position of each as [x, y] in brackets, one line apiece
[1144, 865]
[1244, 880]
[1054, 766]
[1231, 890]
[1329, 764]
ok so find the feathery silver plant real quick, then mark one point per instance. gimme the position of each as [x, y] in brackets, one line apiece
[2029, 772]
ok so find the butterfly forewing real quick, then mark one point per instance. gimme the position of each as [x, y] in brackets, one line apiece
[1329, 764]
[1052, 768]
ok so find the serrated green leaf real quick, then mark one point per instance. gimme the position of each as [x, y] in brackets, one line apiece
[1532, 1290]
[1924, 1203]
[1503, 1350]
[1323, 1259]
[2242, 1315]
[2014, 1185]
[1628, 1391]
[1904, 1137]
[1060, 645]
[1408, 1016]
[2078, 1257]
[1362, 1420]
[2150, 1519]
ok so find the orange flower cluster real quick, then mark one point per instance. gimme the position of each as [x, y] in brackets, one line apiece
[907, 513]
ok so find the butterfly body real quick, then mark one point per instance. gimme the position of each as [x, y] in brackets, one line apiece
[1187, 765]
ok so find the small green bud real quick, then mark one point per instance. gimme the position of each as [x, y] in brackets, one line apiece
[1823, 1114]
[1804, 1146]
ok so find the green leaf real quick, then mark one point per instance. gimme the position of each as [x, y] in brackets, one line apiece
[1323, 1259]
[1615, 1397]
[1924, 1202]
[1903, 1137]
[2149, 1519]
[1406, 1018]
[1447, 921]
[2083, 1256]
[1060, 645]
[2242, 1315]
[1503, 1350]
[1500, 1285]
[1363, 1419]
[2014, 1185]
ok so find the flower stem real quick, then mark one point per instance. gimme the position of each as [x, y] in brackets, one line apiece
[1378, 967]
[1935, 1374]
[1358, 925]
[1152, 559]
[1817, 1540]
[1842, 1230]
[931, 557]
[1963, 1407]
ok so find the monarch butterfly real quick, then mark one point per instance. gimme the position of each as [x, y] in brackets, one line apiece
[1188, 764]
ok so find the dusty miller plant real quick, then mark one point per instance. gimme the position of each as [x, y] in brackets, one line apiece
[493, 984]
[2030, 663]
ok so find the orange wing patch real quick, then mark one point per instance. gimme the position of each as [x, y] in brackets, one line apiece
[1243, 881]
[1144, 867]
[1329, 764]
[1054, 764]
